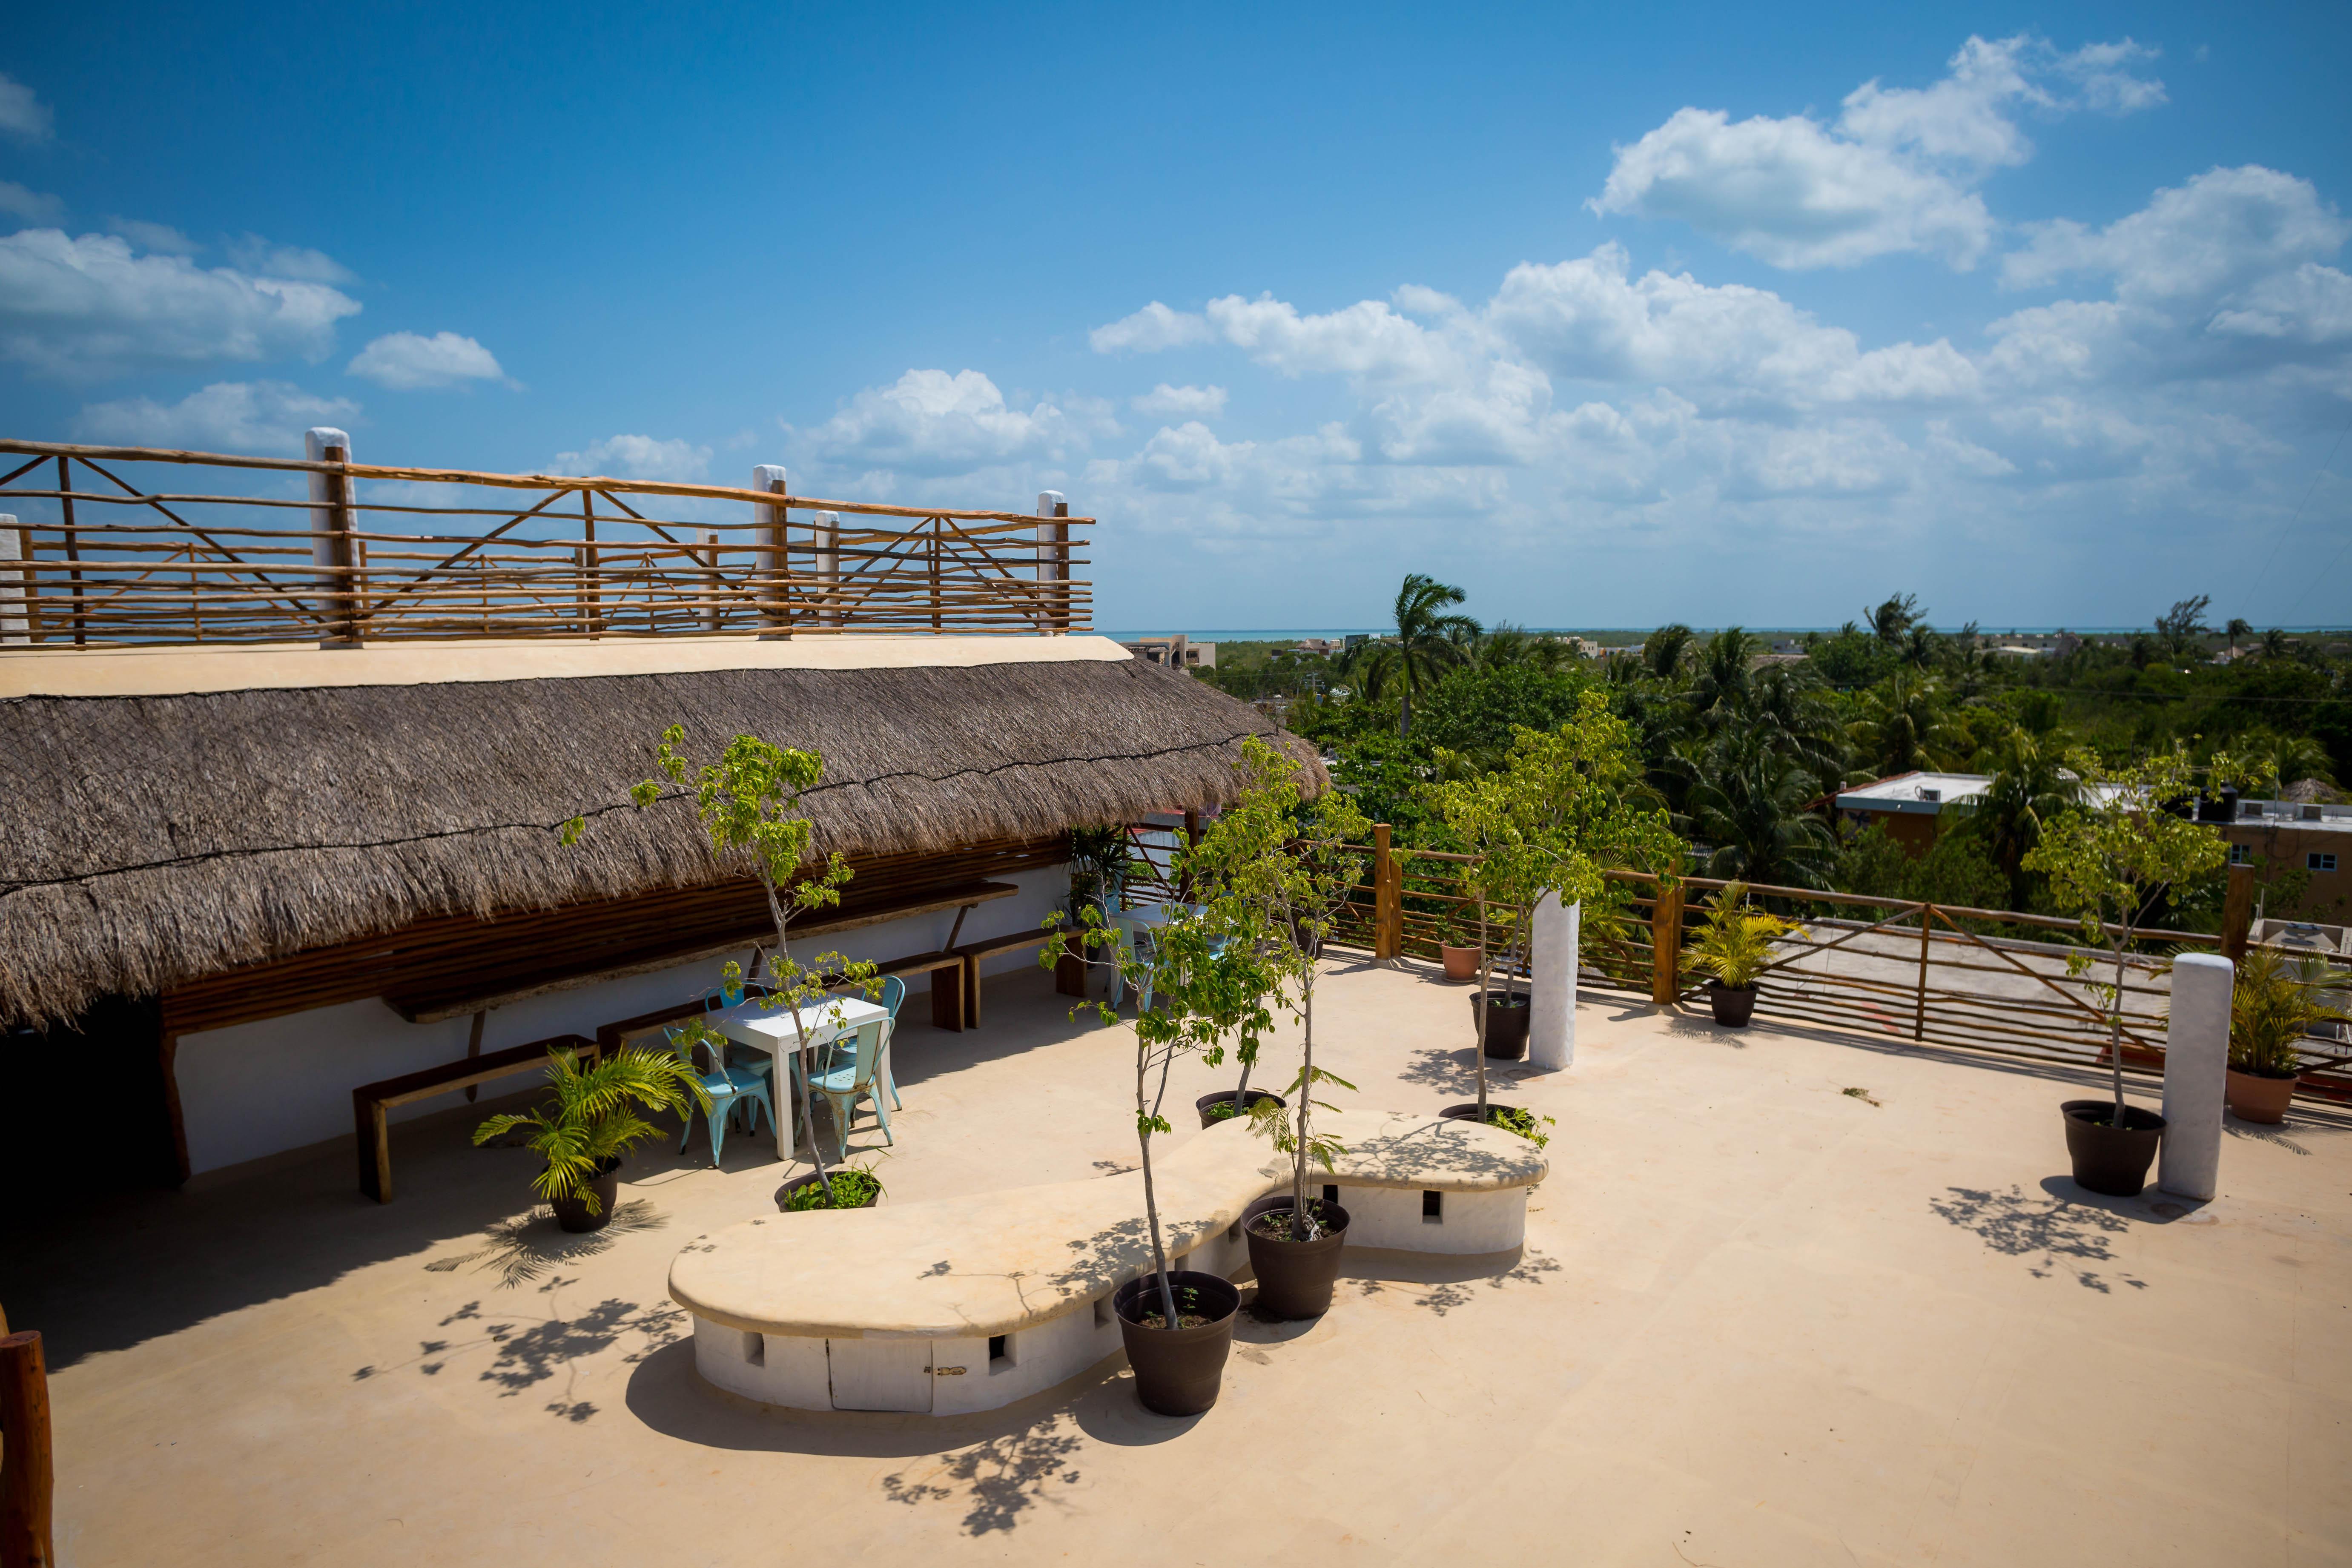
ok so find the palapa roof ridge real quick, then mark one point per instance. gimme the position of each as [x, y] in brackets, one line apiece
[159, 839]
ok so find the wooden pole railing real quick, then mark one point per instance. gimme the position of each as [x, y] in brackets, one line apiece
[118, 561]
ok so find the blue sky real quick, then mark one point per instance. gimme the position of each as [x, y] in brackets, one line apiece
[1610, 315]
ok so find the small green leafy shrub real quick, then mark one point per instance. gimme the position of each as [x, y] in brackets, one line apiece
[1511, 1118]
[851, 1189]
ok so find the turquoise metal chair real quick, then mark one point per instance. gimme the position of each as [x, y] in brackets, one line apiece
[845, 1085]
[742, 1059]
[894, 992]
[729, 1089]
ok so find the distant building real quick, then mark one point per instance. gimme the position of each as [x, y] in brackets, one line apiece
[1325, 647]
[2280, 837]
[1356, 640]
[1177, 652]
[1907, 804]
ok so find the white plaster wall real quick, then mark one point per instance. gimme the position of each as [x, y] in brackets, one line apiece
[258, 1089]
[1468, 1222]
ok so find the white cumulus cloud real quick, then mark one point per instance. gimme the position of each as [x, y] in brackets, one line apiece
[91, 306]
[238, 416]
[1152, 328]
[637, 457]
[256, 254]
[22, 113]
[158, 237]
[929, 421]
[410, 361]
[33, 207]
[1166, 401]
[1895, 172]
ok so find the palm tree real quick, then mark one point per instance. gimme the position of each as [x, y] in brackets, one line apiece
[1663, 650]
[1897, 615]
[1721, 685]
[1749, 803]
[1507, 645]
[1903, 728]
[1428, 642]
[2277, 644]
[2238, 628]
[1920, 648]
[2284, 759]
[2029, 787]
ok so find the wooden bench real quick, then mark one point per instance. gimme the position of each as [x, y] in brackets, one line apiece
[370, 1102]
[1069, 976]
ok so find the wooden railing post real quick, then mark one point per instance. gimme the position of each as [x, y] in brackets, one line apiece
[1054, 561]
[2238, 913]
[828, 568]
[1667, 945]
[771, 569]
[1927, 930]
[27, 1473]
[591, 601]
[1386, 884]
[73, 549]
[332, 549]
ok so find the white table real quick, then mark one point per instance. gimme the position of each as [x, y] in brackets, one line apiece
[771, 1030]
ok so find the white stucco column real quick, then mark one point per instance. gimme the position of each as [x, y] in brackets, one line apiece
[1054, 553]
[1551, 981]
[2196, 1065]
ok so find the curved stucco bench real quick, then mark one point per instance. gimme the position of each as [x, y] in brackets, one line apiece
[967, 1303]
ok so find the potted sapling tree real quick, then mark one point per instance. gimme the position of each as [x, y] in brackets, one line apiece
[1563, 810]
[749, 805]
[1177, 1325]
[2110, 859]
[1274, 873]
[1734, 947]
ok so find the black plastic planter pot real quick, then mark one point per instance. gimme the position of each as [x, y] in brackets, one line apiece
[572, 1214]
[1468, 1111]
[2109, 1159]
[1177, 1370]
[1208, 1103]
[1733, 1006]
[1506, 1023]
[1295, 1277]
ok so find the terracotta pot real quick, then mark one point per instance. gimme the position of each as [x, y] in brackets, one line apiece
[572, 1214]
[1734, 1005]
[1209, 1102]
[1178, 1372]
[2258, 1096]
[1461, 962]
[1294, 1279]
[1506, 1023]
[2109, 1159]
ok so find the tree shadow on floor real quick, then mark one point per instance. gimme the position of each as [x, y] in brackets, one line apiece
[524, 1248]
[1447, 1071]
[1442, 1285]
[2060, 1231]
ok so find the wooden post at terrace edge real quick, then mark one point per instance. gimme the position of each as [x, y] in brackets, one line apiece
[1666, 942]
[1054, 561]
[332, 550]
[1385, 887]
[1192, 837]
[2237, 912]
[28, 1474]
[1927, 930]
[770, 571]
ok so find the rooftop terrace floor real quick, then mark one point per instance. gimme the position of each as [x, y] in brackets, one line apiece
[1758, 1320]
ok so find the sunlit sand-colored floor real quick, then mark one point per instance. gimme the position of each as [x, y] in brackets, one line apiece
[1758, 1320]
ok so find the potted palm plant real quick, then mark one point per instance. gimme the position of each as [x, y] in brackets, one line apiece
[2110, 857]
[1733, 949]
[2276, 1003]
[1100, 859]
[590, 1122]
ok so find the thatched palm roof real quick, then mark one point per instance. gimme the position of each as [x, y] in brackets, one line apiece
[155, 840]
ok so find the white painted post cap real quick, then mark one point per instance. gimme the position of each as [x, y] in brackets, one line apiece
[1052, 503]
[319, 437]
[766, 476]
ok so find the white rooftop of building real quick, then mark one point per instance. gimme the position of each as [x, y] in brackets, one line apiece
[1920, 792]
